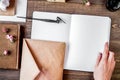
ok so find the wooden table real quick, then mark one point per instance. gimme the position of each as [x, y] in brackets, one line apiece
[71, 6]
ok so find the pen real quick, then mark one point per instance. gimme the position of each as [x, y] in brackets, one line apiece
[58, 19]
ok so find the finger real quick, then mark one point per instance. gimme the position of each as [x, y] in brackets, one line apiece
[106, 52]
[98, 59]
[113, 65]
[111, 56]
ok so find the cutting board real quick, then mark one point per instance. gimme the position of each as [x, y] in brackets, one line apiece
[9, 61]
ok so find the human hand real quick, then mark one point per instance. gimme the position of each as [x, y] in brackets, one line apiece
[104, 65]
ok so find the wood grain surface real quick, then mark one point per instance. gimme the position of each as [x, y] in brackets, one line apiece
[9, 61]
[71, 7]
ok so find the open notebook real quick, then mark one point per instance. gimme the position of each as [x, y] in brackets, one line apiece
[84, 35]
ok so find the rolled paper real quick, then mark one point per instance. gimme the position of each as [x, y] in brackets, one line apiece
[4, 4]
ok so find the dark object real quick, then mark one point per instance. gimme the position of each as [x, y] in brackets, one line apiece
[113, 5]
[58, 19]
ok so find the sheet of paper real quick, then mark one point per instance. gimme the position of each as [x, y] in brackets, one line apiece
[88, 35]
[21, 9]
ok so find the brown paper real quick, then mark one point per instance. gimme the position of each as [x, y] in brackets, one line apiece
[42, 59]
[10, 10]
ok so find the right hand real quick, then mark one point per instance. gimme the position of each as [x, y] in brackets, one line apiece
[105, 65]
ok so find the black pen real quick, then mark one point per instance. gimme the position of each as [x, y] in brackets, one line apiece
[58, 19]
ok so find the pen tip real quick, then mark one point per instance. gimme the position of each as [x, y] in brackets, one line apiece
[59, 19]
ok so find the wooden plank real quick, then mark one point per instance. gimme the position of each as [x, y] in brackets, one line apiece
[77, 8]
[9, 61]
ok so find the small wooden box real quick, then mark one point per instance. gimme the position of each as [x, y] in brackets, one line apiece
[11, 10]
[9, 61]
[56, 0]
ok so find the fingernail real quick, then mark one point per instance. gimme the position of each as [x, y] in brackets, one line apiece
[106, 43]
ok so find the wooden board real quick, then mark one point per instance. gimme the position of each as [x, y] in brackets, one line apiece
[74, 7]
[10, 10]
[9, 61]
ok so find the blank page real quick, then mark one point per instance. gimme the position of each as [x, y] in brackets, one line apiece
[88, 35]
[51, 31]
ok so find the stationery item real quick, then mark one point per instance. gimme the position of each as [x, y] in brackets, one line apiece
[58, 19]
[7, 7]
[56, 0]
[42, 57]
[16, 8]
[9, 49]
[84, 35]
